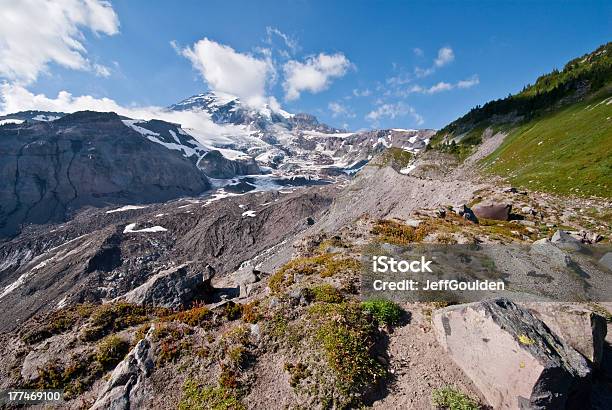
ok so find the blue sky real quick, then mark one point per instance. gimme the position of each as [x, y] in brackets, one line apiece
[382, 54]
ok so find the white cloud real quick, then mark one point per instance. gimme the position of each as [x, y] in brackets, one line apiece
[417, 52]
[468, 83]
[291, 43]
[393, 111]
[14, 98]
[340, 110]
[35, 33]
[445, 56]
[439, 87]
[444, 86]
[314, 75]
[228, 71]
[101, 70]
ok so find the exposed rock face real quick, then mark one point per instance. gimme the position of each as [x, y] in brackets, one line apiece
[500, 212]
[215, 165]
[512, 357]
[52, 168]
[173, 288]
[125, 388]
[581, 328]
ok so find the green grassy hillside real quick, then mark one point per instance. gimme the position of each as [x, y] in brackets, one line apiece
[565, 152]
[559, 130]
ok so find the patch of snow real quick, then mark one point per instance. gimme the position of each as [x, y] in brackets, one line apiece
[20, 281]
[407, 170]
[143, 131]
[62, 302]
[250, 214]
[130, 229]
[41, 117]
[126, 208]
[10, 121]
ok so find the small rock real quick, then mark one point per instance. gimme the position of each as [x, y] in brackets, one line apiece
[565, 241]
[441, 212]
[413, 222]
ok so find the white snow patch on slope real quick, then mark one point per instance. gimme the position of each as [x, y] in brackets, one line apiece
[130, 229]
[20, 281]
[138, 129]
[407, 170]
[11, 121]
[126, 208]
[250, 214]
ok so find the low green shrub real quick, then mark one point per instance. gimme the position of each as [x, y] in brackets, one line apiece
[385, 312]
[452, 399]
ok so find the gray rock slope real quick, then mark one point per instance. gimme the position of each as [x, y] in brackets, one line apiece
[97, 257]
[50, 169]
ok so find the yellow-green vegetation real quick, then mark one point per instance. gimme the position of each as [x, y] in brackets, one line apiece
[298, 372]
[398, 233]
[326, 265]
[347, 337]
[384, 311]
[565, 152]
[56, 322]
[525, 340]
[201, 397]
[452, 399]
[394, 157]
[503, 228]
[111, 350]
[113, 317]
[602, 311]
[334, 242]
[325, 293]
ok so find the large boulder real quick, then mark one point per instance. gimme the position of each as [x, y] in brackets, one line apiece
[173, 288]
[580, 327]
[125, 388]
[512, 357]
[500, 212]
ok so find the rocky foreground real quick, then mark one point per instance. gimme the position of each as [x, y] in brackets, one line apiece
[254, 301]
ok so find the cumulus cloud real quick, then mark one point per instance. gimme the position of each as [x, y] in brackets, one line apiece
[35, 33]
[313, 75]
[340, 110]
[393, 111]
[226, 70]
[14, 98]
